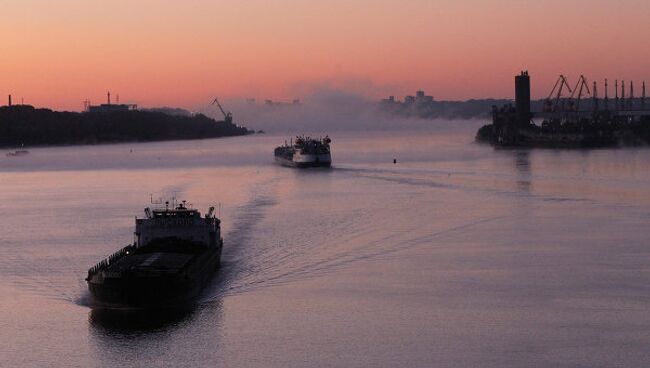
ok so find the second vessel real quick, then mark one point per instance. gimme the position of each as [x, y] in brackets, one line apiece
[305, 152]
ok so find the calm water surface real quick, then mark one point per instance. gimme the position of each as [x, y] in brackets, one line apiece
[457, 256]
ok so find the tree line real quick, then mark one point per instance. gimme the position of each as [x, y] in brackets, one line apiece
[25, 125]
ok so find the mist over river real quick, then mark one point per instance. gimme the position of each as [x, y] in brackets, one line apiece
[459, 255]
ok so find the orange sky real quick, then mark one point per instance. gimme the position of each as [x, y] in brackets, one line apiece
[181, 53]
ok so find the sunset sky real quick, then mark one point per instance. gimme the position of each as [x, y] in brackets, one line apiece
[182, 53]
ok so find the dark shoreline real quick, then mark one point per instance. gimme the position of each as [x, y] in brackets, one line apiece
[26, 126]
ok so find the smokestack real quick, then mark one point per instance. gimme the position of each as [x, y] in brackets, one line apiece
[108, 97]
[643, 96]
[522, 99]
[9, 100]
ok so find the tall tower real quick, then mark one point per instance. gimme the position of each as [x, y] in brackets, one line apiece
[595, 96]
[606, 97]
[622, 95]
[622, 90]
[522, 99]
[616, 93]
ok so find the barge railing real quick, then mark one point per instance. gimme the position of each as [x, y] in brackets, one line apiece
[109, 260]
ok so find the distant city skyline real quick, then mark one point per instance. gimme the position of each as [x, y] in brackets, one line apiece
[157, 53]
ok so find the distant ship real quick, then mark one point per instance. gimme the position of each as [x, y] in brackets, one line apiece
[305, 152]
[174, 254]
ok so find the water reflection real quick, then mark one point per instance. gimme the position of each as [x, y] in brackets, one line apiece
[155, 336]
[524, 174]
[125, 321]
[311, 171]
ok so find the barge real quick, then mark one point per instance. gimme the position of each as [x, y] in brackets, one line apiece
[174, 255]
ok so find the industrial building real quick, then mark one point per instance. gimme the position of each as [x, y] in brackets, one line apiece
[564, 123]
[108, 106]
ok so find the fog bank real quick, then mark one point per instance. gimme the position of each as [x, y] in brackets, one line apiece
[324, 110]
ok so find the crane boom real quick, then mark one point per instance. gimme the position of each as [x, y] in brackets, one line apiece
[216, 101]
[227, 116]
[580, 86]
[551, 103]
[563, 83]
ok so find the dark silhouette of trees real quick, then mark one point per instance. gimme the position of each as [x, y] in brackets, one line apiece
[23, 124]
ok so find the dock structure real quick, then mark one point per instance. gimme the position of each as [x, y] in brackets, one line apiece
[571, 120]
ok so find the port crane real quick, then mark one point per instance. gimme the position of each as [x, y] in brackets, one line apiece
[552, 105]
[581, 85]
[227, 116]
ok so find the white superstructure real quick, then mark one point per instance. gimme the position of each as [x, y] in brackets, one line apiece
[178, 222]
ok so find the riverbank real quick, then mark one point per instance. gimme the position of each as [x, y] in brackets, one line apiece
[24, 125]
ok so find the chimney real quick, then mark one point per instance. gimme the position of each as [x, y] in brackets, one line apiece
[9, 100]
